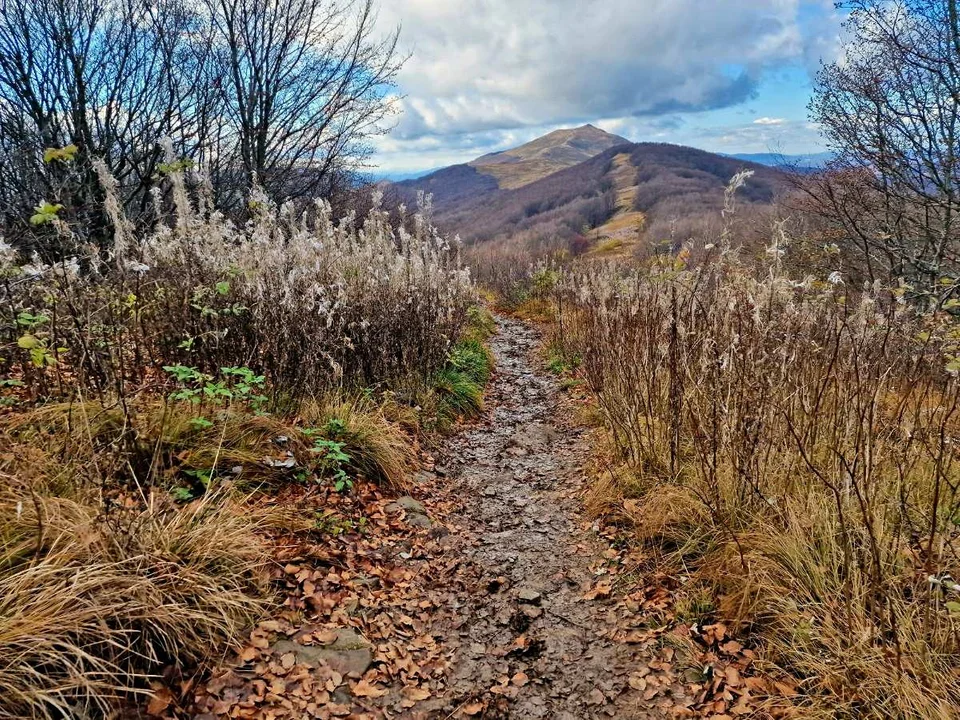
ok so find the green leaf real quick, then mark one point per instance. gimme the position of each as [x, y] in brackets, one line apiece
[28, 342]
[45, 213]
[64, 154]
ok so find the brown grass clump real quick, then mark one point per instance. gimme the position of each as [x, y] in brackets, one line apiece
[91, 603]
[378, 451]
[796, 444]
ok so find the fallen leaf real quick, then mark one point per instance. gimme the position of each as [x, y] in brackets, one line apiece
[365, 689]
[160, 701]
[414, 693]
[601, 590]
[520, 679]
[473, 708]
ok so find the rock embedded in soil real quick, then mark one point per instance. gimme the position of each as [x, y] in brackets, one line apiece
[349, 654]
[415, 513]
[529, 596]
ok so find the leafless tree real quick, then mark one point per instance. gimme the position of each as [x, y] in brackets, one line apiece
[111, 77]
[889, 108]
[280, 93]
[307, 84]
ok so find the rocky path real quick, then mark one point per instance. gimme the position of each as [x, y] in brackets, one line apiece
[489, 597]
[530, 645]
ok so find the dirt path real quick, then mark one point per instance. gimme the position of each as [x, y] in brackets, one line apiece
[488, 609]
[530, 645]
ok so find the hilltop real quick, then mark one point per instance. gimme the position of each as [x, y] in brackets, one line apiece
[546, 155]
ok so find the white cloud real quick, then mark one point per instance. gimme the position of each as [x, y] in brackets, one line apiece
[490, 74]
[494, 64]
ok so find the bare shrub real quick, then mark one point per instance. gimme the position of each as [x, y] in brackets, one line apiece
[796, 441]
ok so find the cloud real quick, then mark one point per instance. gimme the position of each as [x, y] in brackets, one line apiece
[769, 121]
[484, 65]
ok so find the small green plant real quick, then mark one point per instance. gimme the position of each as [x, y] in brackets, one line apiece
[335, 426]
[332, 460]
[45, 213]
[560, 362]
[333, 524]
[235, 384]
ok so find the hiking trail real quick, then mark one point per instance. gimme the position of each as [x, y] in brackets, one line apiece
[519, 472]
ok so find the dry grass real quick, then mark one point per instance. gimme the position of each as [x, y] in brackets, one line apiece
[796, 446]
[378, 451]
[92, 601]
[374, 300]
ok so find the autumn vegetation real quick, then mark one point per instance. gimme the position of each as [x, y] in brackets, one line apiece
[155, 394]
[777, 414]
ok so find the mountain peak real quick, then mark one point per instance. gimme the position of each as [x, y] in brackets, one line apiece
[546, 155]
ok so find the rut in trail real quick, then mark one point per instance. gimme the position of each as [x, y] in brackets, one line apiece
[518, 473]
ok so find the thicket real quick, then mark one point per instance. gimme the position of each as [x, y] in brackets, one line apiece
[153, 391]
[790, 444]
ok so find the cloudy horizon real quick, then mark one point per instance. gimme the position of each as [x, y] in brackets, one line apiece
[486, 75]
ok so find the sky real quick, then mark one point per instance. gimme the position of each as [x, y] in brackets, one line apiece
[731, 76]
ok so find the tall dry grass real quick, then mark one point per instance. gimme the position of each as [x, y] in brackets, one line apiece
[93, 601]
[795, 441]
[310, 304]
[145, 390]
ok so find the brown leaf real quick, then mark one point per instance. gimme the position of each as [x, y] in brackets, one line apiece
[601, 590]
[732, 675]
[365, 689]
[520, 679]
[473, 708]
[160, 701]
[731, 647]
[414, 693]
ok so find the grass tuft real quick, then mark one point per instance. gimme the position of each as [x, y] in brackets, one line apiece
[92, 604]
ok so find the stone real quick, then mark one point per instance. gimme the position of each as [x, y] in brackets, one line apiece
[415, 519]
[405, 503]
[349, 654]
[532, 611]
[529, 596]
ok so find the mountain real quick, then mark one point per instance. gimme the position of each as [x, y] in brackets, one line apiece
[546, 155]
[584, 185]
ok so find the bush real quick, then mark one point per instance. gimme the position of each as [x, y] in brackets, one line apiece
[793, 440]
[309, 304]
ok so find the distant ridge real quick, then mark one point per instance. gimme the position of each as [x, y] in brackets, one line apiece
[810, 161]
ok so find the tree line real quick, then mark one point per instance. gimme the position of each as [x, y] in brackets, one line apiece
[280, 94]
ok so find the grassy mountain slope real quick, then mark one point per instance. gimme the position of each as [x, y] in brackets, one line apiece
[546, 155]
